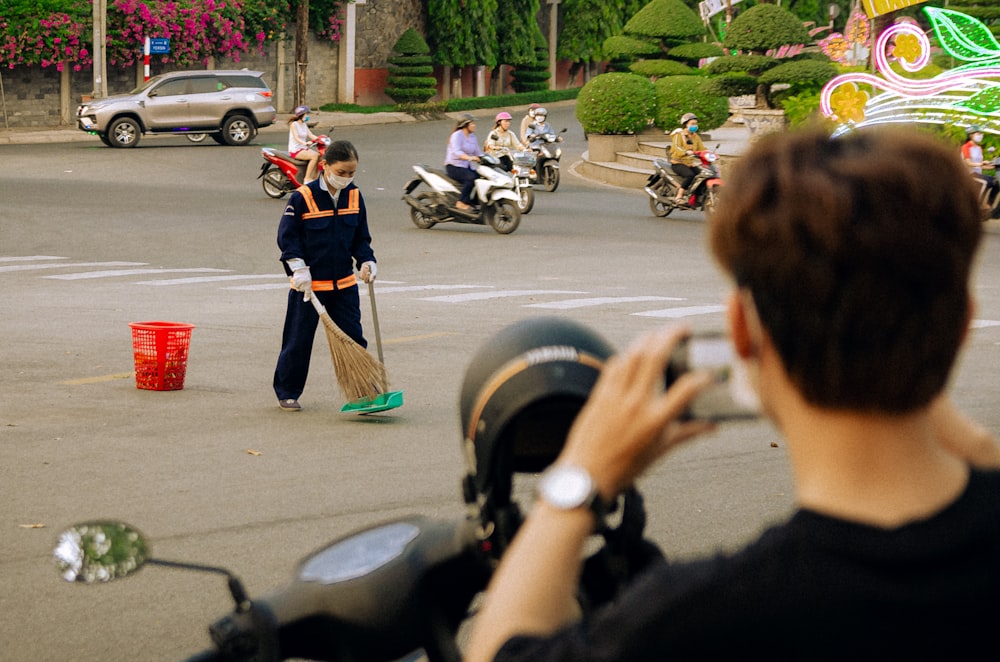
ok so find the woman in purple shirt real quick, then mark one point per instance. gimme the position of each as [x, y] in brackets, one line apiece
[463, 154]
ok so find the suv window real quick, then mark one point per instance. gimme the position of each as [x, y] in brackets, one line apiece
[206, 85]
[172, 87]
[244, 81]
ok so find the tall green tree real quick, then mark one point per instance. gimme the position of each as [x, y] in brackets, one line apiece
[588, 23]
[462, 32]
[516, 25]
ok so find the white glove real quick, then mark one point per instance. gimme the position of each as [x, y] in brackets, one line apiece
[302, 279]
[368, 271]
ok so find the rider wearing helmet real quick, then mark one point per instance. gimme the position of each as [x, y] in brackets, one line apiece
[684, 143]
[299, 137]
[501, 140]
[461, 158]
[539, 128]
[527, 120]
[972, 154]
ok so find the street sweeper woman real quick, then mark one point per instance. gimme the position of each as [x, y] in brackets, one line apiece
[323, 234]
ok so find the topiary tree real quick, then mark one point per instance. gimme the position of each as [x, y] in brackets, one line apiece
[616, 103]
[676, 95]
[410, 79]
[650, 35]
[534, 77]
[753, 34]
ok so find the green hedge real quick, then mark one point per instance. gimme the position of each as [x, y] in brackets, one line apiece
[661, 68]
[616, 103]
[676, 95]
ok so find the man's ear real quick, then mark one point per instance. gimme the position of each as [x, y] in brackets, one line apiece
[739, 325]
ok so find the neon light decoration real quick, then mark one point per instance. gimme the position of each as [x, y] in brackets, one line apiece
[969, 94]
[850, 48]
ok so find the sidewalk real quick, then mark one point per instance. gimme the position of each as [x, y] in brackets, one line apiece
[320, 120]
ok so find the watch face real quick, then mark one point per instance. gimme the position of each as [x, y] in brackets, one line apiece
[567, 487]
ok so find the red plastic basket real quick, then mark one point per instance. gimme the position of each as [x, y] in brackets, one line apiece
[160, 350]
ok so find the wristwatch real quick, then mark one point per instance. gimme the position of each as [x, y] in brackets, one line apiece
[568, 487]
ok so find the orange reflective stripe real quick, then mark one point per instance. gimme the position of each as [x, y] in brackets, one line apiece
[330, 286]
[307, 195]
[353, 202]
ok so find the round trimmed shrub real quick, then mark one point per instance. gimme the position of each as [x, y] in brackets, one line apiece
[410, 79]
[676, 95]
[661, 68]
[616, 103]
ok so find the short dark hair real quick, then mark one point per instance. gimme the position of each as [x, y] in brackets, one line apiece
[857, 251]
[340, 150]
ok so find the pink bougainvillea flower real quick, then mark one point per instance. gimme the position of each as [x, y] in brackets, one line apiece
[848, 103]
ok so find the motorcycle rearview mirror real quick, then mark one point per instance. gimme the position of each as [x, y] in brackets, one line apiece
[101, 551]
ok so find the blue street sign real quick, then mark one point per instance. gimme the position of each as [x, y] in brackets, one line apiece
[159, 45]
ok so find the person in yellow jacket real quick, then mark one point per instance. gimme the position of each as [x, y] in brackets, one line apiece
[684, 143]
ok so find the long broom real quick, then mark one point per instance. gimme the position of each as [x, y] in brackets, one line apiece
[359, 374]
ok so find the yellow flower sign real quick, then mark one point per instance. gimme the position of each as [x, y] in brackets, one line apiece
[878, 7]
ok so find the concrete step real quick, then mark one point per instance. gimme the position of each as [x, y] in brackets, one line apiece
[614, 173]
[640, 160]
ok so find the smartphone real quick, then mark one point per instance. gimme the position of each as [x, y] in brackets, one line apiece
[730, 396]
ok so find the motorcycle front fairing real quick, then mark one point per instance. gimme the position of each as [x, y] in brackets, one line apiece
[380, 593]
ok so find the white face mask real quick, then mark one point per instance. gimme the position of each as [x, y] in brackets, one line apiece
[977, 137]
[338, 182]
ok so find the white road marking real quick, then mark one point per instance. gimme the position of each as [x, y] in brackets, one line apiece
[28, 267]
[213, 279]
[982, 324]
[682, 311]
[482, 296]
[133, 272]
[418, 288]
[598, 301]
[31, 258]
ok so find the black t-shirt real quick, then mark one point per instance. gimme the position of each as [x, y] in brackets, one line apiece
[812, 588]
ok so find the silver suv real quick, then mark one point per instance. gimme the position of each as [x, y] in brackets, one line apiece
[228, 105]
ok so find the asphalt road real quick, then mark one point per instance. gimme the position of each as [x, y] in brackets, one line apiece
[94, 238]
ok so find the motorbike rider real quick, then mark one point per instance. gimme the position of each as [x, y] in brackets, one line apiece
[462, 156]
[538, 128]
[972, 154]
[527, 120]
[502, 140]
[299, 136]
[684, 145]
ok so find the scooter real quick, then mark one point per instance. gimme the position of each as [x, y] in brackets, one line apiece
[493, 192]
[663, 184]
[521, 165]
[547, 157]
[395, 591]
[280, 174]
[990, 205]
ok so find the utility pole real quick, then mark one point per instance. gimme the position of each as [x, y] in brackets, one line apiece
[553, 38]
[301, 51]
[100, 17]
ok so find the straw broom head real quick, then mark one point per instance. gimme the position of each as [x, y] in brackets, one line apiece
[359, 374]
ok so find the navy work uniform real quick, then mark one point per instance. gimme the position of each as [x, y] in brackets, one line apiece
[328, 235]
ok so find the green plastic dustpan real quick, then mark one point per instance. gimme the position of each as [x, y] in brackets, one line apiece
[380, 401]
[376, 403]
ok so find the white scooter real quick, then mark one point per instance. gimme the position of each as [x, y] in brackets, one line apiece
[497, 203]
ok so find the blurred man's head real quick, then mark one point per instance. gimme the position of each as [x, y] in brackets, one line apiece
[857, 252]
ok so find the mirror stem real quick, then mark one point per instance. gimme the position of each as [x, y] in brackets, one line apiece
[236, 588]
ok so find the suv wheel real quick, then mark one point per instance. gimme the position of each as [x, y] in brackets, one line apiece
[237, 130]
[124, 132]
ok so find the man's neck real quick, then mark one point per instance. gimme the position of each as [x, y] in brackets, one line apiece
[877, 469]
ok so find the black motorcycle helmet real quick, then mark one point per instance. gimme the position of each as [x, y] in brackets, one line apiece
[521, 392]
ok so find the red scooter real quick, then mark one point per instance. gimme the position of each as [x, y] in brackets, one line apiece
[280, 173]
[664, 182]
